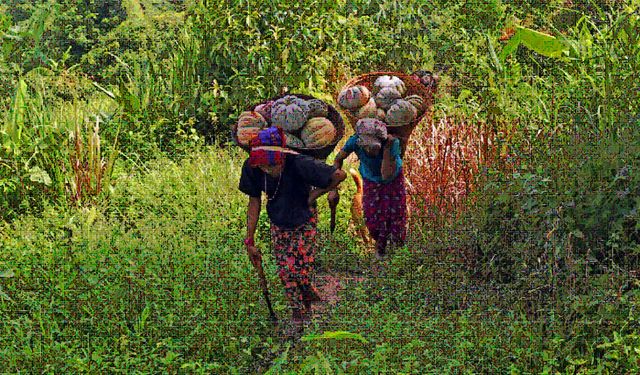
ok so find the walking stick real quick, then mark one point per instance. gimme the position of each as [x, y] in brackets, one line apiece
[265, 288]
[333, 203]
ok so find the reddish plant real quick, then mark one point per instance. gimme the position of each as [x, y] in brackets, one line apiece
[87, 165]
[443, 162]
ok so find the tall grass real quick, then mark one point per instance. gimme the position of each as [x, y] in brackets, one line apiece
[42, 148]
[445, 161]
[158, 280]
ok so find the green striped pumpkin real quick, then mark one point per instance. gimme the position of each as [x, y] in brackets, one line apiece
[318, 132]
[289, 113]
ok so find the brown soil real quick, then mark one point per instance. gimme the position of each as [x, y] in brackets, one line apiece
[329, 286]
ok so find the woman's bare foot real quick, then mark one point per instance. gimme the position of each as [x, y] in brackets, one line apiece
[295, 326]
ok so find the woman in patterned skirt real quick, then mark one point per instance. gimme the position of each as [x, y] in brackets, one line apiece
[384, 195]
[291, 182]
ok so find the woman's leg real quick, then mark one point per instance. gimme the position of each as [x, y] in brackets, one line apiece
[307, 250]
[374, 214]
[295, 255]
[398, 212]
[385, 207]
[285, 259]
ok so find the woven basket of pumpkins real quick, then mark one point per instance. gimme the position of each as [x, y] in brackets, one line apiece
[400, 100]
[312, 127]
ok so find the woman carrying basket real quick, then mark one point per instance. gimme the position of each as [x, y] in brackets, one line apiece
[384, 194]
[287, 179]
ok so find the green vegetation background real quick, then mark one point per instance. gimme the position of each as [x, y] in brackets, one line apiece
[121, 223]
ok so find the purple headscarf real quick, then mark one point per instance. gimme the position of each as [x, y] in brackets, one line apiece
[371, 132]
[267, 148]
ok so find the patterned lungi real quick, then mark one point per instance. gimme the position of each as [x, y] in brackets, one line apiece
[294, 250]
[385, 210]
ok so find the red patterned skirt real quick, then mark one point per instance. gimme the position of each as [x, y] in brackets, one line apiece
[385, 210]
[294, 250]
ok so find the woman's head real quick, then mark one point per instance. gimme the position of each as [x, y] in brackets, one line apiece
[371, 132]
[267, 149]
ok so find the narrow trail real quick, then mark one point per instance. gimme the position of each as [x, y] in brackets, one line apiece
[329, 285]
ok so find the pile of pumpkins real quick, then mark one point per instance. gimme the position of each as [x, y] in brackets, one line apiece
[304, 122]
[386, 101]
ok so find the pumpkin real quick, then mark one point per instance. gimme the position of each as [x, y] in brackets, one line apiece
[291, 99]
[318, 132]
[418, 102]
[287, 99]
[301, 102]
[245, 135]
[265, 109]
[317, 108]
[418, 74]
[249, 124]
[289, 113]
[389, 81]
[386, 97]
[293, 141]
[354, 97]
[251, 119]
[367, 110]
[401, 113]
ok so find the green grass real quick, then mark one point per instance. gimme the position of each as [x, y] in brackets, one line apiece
[158, 269]
[156, 280]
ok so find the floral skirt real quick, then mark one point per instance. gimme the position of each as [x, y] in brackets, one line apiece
[385, 210]
[294, 250]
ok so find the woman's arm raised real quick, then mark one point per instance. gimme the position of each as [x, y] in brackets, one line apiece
[388, 161]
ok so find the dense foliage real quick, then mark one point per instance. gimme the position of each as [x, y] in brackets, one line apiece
[121, 224]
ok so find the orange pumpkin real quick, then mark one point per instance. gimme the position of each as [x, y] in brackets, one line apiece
[354, 97]
[367, 110]
[318, 132]
[249, 124]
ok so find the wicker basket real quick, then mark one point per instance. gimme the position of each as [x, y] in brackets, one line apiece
[319, 152]
[414, 87]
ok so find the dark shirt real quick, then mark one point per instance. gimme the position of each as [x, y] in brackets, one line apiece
[287, 195]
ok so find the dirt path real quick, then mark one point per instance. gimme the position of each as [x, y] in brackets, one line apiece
[329, 285]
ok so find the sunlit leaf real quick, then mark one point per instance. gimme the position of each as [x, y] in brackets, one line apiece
[511, 47]
[541, 43]
[494, 57]
[37, 174]
[337, 335]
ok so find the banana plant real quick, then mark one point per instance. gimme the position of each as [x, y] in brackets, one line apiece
[537, 41]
